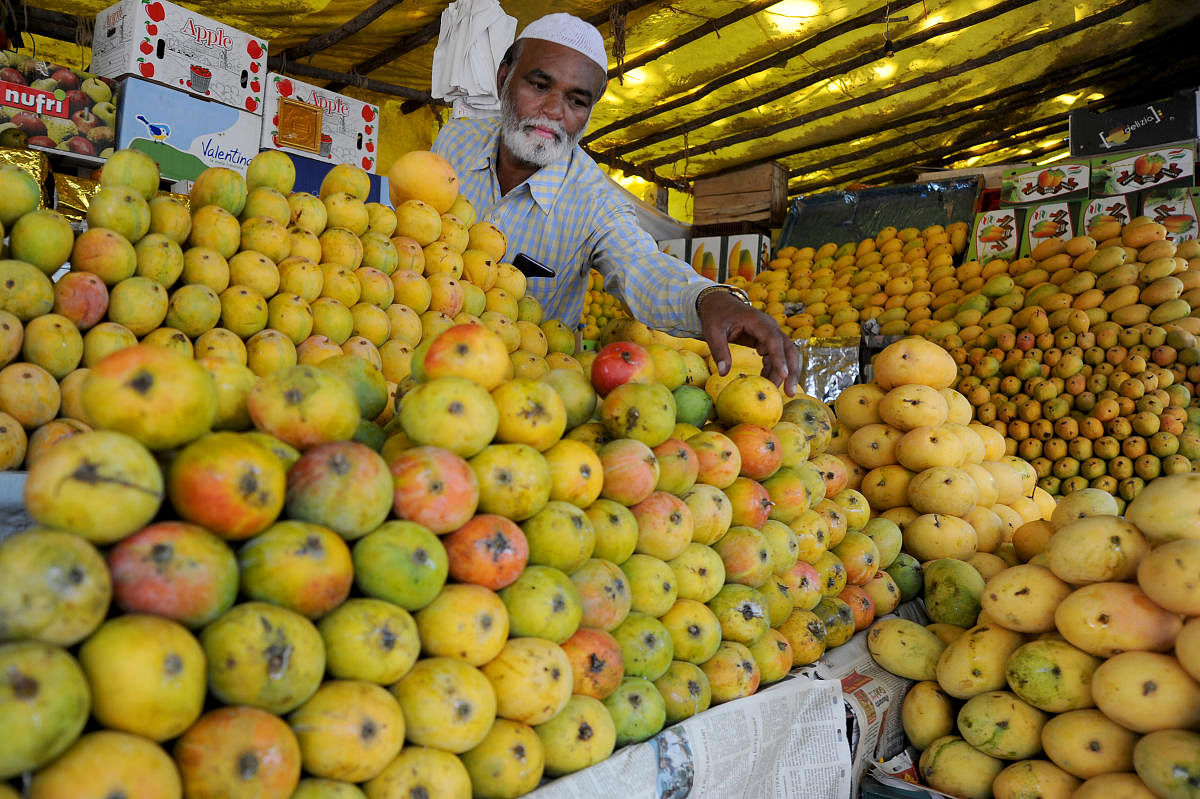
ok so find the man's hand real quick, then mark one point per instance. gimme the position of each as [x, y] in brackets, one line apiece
[724, 318]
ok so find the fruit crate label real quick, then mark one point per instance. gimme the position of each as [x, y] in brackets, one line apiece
[708, 257]
[185, 134]
[1129, 172]
[746, 255]
[347, 130]
[1037, 184]
[675, 247]
[55, 107]
[178, 48]
[1105, 209]
[1047, 221]
[995, 234]
[1176, 211]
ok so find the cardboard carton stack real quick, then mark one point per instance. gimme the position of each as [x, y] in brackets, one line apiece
[1135, 161]
[195, 93]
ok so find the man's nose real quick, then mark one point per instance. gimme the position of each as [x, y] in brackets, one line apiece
[554, 105]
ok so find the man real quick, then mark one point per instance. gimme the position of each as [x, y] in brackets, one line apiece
[526, 173]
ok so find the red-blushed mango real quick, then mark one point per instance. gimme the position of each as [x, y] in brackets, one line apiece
[228, 484]
[158, 396]
[177, 570]
[238, 748]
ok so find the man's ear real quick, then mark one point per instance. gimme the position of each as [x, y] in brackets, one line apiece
[501, 75]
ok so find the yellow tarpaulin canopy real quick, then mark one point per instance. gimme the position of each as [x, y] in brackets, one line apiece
[839, 91]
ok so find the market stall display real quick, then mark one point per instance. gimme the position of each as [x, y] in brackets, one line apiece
[286, 437]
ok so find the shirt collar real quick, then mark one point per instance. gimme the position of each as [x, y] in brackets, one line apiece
[544, 185]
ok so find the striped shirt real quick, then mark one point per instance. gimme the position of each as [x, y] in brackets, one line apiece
[570, 217]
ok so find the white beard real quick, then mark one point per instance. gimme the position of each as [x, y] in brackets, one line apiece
[518, 136]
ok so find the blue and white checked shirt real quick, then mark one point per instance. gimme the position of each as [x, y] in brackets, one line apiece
[570, 217]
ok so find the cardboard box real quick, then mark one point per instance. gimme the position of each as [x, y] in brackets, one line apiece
[1029, 185]
[1047, 221]
[746, 255]
[676, 247]
[56, 107]
[708, 257]
[1174, 119]
[1112, 208]
[183, 133]
[1176, 210]
[756, 194]
[995, 234]
[1122, 173]
[310, 173]
[175, 47]
[319, 124]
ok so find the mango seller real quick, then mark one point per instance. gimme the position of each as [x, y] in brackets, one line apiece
[526, 173]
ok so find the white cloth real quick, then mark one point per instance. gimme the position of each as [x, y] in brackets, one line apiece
[474, 35]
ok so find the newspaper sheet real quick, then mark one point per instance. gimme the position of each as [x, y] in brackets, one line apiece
[787, 740]
[873, 697]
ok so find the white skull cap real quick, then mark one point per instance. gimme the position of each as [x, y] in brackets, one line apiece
[569, 31]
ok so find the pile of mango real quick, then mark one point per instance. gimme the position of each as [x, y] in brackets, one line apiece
[892, 277]
[1083, 355]
[600, 308]
[911, 448]
[1074, 672]
[323, 507]
[1092, 377]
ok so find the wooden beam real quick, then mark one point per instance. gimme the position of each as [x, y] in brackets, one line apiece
[330, 38]
[406, 44]
[699, 32]
[813, 78]
[995, 56]
[1176, 44]
[973, 116]
[1015, 135]
[778, 60]
[403, 45]
[648, 175]
[345, 79]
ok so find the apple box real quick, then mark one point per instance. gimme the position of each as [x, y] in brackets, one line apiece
[315, 123]
[183, 133]
[175, 47]
[58, 108]
[310, 172]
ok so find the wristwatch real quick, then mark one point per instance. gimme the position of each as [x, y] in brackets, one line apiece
[734, 290]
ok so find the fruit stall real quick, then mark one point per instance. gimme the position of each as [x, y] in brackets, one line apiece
[303, 493]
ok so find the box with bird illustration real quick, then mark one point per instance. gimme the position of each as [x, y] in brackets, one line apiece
[310, 121]
[183, 133]
[170, 45]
